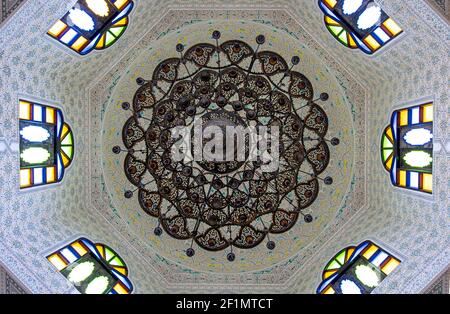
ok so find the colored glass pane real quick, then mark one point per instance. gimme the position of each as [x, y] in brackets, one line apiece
[359, 24]
[41, 150]
[407, 148]
[86, 266]
[363, 269]
[92, 24]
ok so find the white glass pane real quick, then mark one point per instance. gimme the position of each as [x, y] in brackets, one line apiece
[367, 276]
[35, 134]
[370, 17]
[99, 7]
[69, 36]
[382, 34]
[38, 177]
[379, 259]
[351, 6]
[418, 137]
[349, 287]
[37, 113]
[81, 272]
[415, 115]
[98, 285]
[414, 179]
[81, 19]
[69, 255]
[418, 159]
[35, 155]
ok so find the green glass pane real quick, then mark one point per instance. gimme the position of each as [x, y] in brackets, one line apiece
[116, 262]
[418, 159]
[108, 254]
[117, 31]
[110, 39]
[335, 30]
[68, 150]
[343, 38]
[387, 153]
[333, 265]
[68, 140]
[341, 258]
[386, 142]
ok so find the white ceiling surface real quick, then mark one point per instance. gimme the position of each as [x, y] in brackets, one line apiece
[35, 222]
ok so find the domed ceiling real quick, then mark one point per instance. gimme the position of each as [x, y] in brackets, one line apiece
[300, 232]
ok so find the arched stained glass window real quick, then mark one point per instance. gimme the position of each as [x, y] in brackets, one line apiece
[359, 24]
[407, 148]
[92, 24]
[92, 268]
[357, 270]
[46, 144]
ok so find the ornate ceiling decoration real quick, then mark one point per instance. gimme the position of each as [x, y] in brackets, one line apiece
[225, 204]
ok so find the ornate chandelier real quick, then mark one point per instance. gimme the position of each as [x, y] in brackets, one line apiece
[225, 204]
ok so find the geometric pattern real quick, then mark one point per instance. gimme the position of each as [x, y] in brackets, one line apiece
[8, 7]
[8, 285]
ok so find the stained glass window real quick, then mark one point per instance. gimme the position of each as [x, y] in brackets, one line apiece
[407, 148]
[46, 144]
[92, 268]
[357, 270]
[359, 24]
[92, 24]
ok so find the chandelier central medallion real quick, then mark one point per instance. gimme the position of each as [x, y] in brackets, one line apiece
[230, 202]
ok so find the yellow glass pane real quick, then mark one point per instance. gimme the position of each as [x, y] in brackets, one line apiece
[372, 43]
[330, 21]
[329, 290]
[24, 110]
[389, 162]
[351, 42]
[428, 113]
[330, 3]
[349, 253]
[390, 266]
[404, 117]
[370, 251]
[25, 178]
[101, 250]
[79, 248]
[328, 273]
[122, 22]
[402, 180]
[79, 43]
[101, 42]
[121, 270]
[57, 261]
[50, 115]
[120, 289]
[428, 182]
[57, 28]
[64, 131]
[389, 134]
[51, 175]
[120, 3]
[392, 27]
[65, 160]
